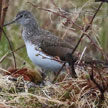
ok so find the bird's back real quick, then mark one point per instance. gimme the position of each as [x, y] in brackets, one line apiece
[52, 45]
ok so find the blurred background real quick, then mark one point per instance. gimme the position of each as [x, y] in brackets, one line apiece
[79, 11]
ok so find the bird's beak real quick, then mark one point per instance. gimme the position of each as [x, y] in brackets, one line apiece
[11, 22]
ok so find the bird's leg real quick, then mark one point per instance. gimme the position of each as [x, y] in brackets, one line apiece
[71, 62]
[42, 82]
[43, 74]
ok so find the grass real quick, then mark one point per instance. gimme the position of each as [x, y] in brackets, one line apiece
[81, 92]
[66, 93]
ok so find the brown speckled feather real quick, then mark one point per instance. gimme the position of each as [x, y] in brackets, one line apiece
[53, 45]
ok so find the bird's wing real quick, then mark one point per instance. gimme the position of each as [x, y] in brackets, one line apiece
[55, 46]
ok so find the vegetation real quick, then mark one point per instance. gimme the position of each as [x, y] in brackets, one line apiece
[89, 90]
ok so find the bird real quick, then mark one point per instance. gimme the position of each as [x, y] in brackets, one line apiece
[44, 49]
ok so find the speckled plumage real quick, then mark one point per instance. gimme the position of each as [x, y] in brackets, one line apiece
[48, 42]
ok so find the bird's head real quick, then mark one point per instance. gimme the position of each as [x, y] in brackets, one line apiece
[23, 18]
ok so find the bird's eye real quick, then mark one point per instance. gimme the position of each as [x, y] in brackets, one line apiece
[21, 16]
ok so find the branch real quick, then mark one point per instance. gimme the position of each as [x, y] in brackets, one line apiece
[7, 54]
[59, 72]
[57, 13]
[9, 46]
[3, 11]
[83, 34]
[0, 15]
[101, 1]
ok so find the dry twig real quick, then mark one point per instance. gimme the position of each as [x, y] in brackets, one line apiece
[87, 28]
[7, 54]
[3, 11]
[9, 46]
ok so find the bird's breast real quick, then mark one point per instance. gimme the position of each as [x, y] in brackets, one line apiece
[41, 59]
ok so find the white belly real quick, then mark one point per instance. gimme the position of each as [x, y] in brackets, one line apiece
[42, 60]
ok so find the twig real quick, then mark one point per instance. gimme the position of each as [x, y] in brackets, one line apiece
[101, 1]
[7, 54]
[4, 10]
[0, 15]
[0, 9]
[59, 72]
[56, 13]
[3, 13]
[54, 3]
[4, 70]
[83, 34]
[9, 46]
[82, 55]
[4, 56]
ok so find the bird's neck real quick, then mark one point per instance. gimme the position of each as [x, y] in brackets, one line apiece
[30, 31]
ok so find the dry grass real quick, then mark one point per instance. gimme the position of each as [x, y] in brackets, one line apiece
[69, 93]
